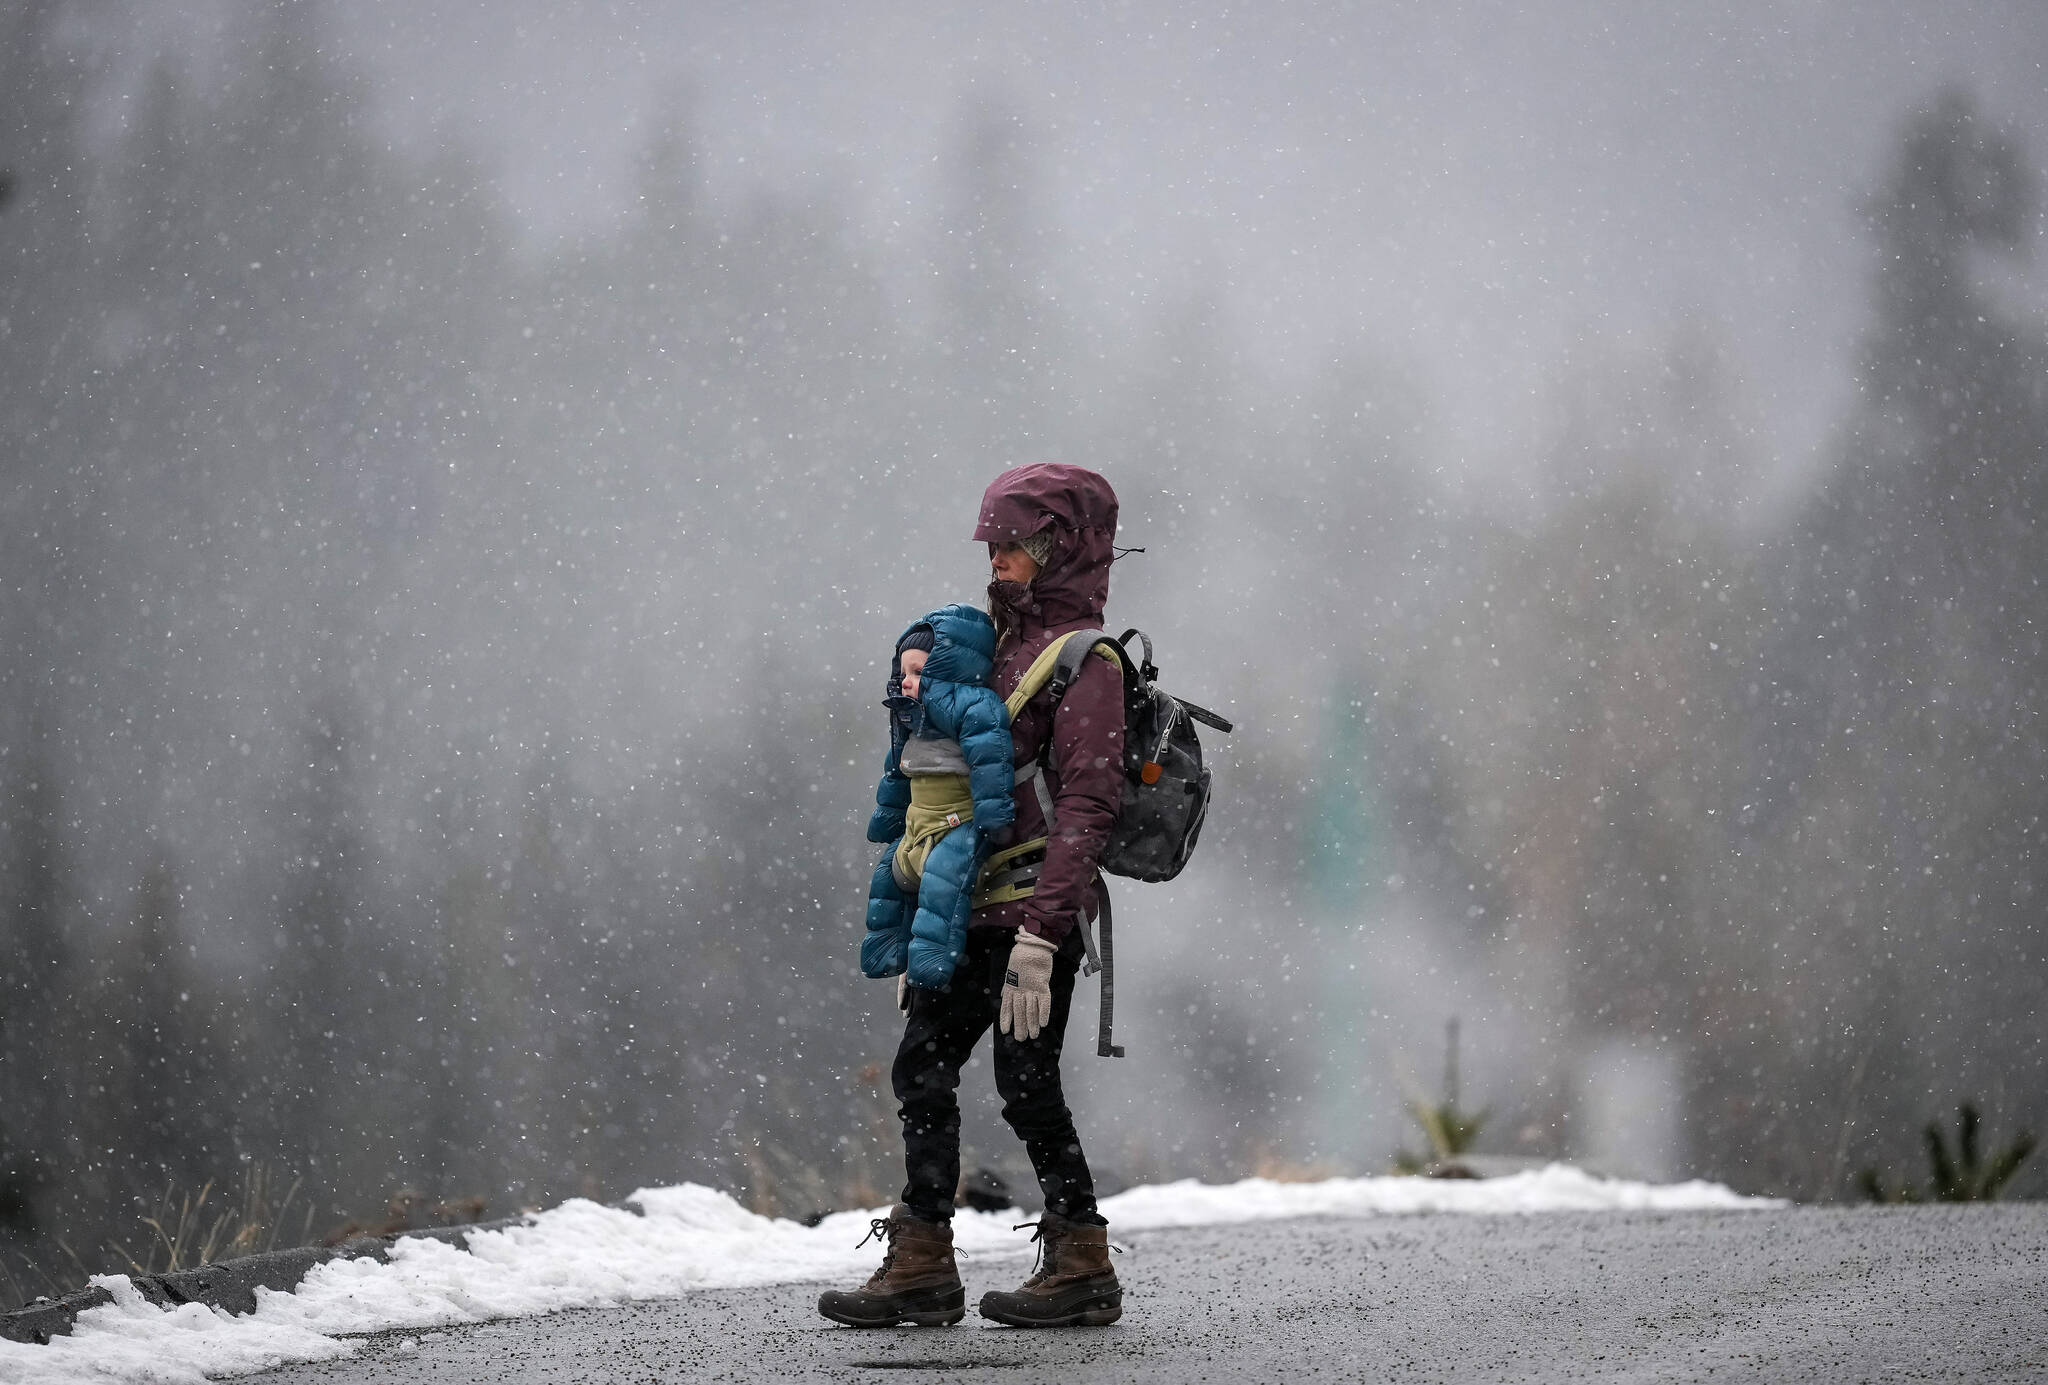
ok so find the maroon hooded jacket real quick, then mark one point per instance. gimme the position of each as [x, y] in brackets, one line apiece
[1084, 772]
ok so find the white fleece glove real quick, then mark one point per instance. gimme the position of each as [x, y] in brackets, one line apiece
[903, 991]
[1027, 986]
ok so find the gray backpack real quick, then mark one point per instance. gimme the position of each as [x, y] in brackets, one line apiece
[1166, 785]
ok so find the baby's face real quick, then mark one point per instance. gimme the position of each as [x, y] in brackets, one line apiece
[913, 670]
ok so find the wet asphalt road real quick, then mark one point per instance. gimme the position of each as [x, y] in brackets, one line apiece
[1811, 1294]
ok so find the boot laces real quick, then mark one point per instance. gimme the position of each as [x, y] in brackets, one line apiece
[1048, 1246]
[1043, 1236]
[881, 1228]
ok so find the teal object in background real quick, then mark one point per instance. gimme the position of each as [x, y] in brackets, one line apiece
[1342, 846]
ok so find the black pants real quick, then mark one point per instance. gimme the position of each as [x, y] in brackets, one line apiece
[943, 1029]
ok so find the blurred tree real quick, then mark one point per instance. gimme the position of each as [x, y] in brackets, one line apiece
[1916, 649]
[145, 1062]
[321, 995]
[1002, 343]
[35, 965]
[1592, 684]
[47, 314]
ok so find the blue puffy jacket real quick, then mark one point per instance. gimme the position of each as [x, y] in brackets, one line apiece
[936, 818]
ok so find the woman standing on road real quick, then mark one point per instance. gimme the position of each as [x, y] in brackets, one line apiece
[1049, 530]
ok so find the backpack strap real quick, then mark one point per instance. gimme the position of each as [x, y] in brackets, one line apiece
[1058, 664]
[1103, 1047]
[1056, 667]
[1073, 649]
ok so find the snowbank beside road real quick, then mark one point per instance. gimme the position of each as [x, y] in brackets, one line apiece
[1558, 1188]
[581, 1254]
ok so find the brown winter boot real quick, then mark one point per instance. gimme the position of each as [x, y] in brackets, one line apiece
[1074, 1285]
[917, 1282]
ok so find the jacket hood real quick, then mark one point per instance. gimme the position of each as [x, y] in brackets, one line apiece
[1080, 508]
[963, 645]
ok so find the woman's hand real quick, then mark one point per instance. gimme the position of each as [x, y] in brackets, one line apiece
[1027, 986]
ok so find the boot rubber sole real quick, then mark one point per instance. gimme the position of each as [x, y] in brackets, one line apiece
[932, 1308]
[1096, 1311]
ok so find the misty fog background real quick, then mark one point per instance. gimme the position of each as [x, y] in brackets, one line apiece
[466, 467]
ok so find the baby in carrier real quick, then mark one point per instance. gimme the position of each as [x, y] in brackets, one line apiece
[945, 787]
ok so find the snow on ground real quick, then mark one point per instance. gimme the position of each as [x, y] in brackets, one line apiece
[582, 1254]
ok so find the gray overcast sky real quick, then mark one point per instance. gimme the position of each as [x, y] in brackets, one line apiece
[1466, 188]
